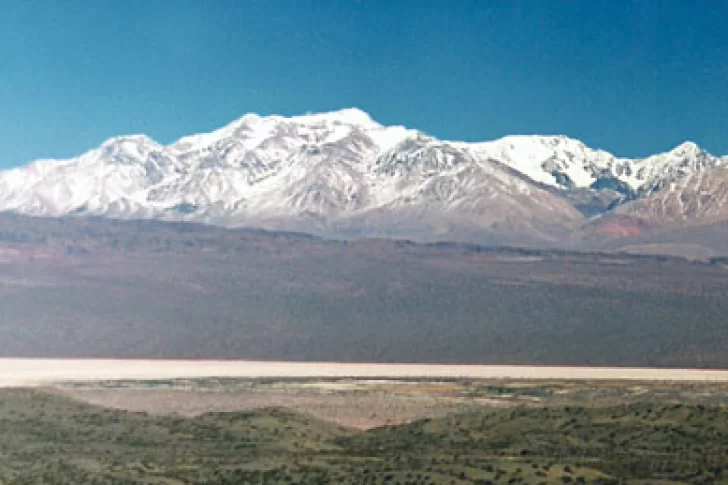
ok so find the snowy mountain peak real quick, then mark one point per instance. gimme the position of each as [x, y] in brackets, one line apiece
[687, 148]
[554, 160]
[272, 137]
[139, 138]
[139, 150]
[343, 170]
[685, 151]
[349, 116]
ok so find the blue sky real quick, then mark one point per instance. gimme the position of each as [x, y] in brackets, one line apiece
[630, 77]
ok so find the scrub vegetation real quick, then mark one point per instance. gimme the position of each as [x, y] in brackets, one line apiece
[51, 439]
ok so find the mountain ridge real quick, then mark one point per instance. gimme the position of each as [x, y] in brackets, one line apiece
[341, 173]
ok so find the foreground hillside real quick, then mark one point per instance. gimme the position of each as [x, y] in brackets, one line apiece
[53, 440]
[100, 288]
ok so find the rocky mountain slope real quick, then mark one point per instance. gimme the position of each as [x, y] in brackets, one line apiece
[701, 196]
[342, 174]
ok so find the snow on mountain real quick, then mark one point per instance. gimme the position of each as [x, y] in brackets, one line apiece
[563, 162]
[552, 160]
[342, 171]
[698, 197]
[113, 178]
[651, 173]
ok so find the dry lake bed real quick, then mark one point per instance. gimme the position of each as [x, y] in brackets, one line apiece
[356, 395]
[31, 372]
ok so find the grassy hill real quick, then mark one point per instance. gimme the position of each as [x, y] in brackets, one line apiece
[53, 440]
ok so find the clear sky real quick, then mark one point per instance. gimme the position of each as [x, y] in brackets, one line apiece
[630, 77]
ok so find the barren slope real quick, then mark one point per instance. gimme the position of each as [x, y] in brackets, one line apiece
[101, 288]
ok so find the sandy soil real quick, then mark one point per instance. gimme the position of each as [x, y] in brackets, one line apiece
[35, 372]
[360, 410]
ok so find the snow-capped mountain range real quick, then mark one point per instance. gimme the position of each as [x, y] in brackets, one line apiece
[343, 174]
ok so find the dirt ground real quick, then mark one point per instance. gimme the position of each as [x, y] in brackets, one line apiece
[350, 404]
[367, 403]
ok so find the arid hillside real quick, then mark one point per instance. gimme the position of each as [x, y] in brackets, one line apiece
[78, 287]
